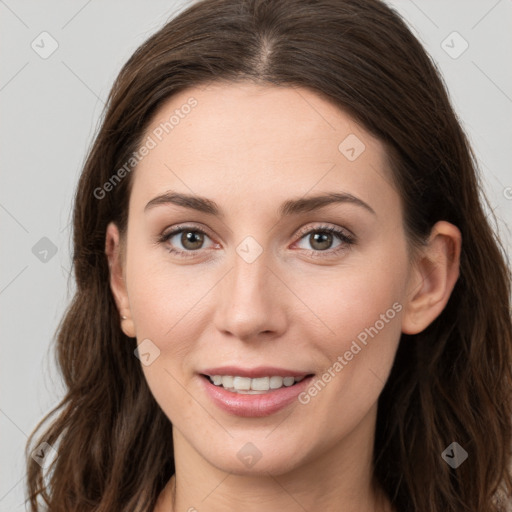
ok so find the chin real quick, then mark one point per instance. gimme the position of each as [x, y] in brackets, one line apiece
[258, 457]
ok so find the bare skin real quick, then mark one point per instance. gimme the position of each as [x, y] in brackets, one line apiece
[300, 304]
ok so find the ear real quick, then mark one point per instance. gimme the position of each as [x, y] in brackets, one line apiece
[434, 275]
[115, 254]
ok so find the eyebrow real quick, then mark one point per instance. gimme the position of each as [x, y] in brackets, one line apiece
[290, 207]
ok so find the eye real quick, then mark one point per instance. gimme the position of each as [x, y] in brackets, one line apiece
[184, 240]
[322, 238]
[188, 241]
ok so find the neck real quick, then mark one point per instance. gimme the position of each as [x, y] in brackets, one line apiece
[339, 477]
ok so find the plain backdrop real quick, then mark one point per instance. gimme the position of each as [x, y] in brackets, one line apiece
[50, 106]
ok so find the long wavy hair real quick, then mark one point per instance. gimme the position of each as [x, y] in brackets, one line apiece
[451, 382]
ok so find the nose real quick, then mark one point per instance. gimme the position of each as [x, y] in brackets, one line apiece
[251, 301]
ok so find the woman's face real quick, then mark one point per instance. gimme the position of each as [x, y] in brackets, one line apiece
[254, 281]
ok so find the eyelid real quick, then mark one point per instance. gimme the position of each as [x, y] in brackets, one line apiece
[325, 226]
[183, 227]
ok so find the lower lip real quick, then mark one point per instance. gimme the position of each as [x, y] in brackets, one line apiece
[253, 406]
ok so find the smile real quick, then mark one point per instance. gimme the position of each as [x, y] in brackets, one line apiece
[246, 385]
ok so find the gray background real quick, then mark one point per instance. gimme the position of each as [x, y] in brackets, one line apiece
[50, 109]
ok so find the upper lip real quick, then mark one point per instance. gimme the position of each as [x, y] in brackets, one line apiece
[253, 373]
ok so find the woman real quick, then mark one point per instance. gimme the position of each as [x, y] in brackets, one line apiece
[288, 294]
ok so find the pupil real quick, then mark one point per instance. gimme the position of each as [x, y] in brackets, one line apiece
[325, 240]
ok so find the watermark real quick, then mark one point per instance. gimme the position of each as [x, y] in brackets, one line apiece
[151, 142]
[507, 193]
[44, 250]
[249, 455]
[343, 360]
[351, 147]
[147, 352]
[44, 45]
[454, 45]
[454, 455]
[44, 454]
[249, 249]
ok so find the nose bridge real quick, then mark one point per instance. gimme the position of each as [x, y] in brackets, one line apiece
[249, 279]
[250, 300]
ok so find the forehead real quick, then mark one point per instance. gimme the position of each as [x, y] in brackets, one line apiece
[261, 142]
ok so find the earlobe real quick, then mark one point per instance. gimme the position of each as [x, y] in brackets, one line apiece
[114, 252]
[433, 278]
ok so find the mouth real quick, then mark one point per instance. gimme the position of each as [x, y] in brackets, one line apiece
[254, 386]
[256, 393]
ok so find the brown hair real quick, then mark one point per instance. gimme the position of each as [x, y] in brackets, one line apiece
[451, 382]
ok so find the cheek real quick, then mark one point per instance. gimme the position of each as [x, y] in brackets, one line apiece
[163, 295]
[354, 298]
[352, 327]
[360, 310]
[165, 302]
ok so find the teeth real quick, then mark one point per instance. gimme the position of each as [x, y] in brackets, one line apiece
[259, 385]
[227, 382]
[275, 382]
[240, 383]
[288, 381]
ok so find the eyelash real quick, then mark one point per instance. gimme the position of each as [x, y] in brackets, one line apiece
[346, 239]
